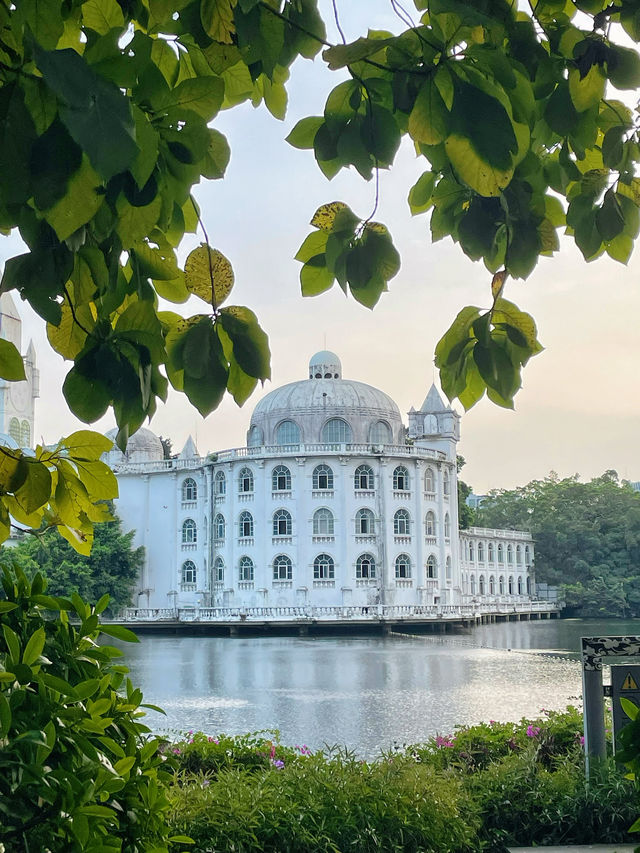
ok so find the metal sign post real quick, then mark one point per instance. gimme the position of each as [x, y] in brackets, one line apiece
[594, 649]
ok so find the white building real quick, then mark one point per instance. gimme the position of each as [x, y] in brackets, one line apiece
[332, 502]
[17, 399]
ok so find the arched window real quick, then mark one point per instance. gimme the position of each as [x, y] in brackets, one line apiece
[282, 523]
[401, 523]
[473, 584]
[220, 483]
[322, 477]
[281, 479]
[188, 572]
[189, 490]
[447, 526]
[471, 552]
[429, 481]
[218, 526]
[365, 522]
[189, 531]
[432, 567]
[481, 552]
[403, 566]
[445, 482]
[510, 585]
[430, 524]
[380, 433]
[323, 568]
[218, 570]
[519, 586]
[245, 480]
[401, 479]
[492, 585]
[500, 553]
[14, 429]
[245, 525]
[509, 554]
[518, 555]
[528, 586]
[336, 431]
[501, 585]
[527, 556]
[363, 478]
[481, 585]
[25, 434]
[490, 550]
[323, 522]
[255, 437]
[447, 568]
[282, 568]
[287, 432]
[366, 566]
[245, 569]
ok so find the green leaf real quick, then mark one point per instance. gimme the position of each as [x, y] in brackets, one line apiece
[217, 156]
[304, 132]
[13, 642]
[34, 647]
[315, 277]
[201, 95]
[11, 364]
[623, 67]
[5, 716]
[94, 110]
[7, 606]
[475, 171]
[420, 194]
[250, 343]
[609, 217]
[587, 91]
[102, 15]
[80, 203]
[119, 632]
[429, 118]
[629, 707]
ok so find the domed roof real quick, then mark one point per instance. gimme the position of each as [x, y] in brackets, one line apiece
[325, 365]
[143, 446]
[310, 403]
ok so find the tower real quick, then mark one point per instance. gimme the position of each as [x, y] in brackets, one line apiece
[17, 399]
[435, 423]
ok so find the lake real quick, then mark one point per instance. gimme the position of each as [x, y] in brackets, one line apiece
[366, 693]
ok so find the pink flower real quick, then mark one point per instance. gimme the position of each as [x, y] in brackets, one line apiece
[278, 764]
[176, 751]
[533, 731]
[444, 742]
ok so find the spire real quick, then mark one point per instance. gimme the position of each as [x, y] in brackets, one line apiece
[189, 451]
[433, 402]
[31, 353]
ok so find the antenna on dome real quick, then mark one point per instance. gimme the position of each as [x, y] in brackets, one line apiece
[325, 341]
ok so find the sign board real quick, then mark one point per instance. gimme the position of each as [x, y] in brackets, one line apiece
[625, 681]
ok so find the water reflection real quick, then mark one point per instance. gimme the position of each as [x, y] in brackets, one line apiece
[365, 693]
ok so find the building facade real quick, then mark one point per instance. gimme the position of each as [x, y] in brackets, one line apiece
[332, 502]
[17, 399]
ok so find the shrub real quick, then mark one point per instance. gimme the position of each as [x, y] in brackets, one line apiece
[324, 804]
[201, 753]
[77, 771]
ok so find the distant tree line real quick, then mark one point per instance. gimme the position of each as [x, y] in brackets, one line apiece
[112, 567]
[587, 538]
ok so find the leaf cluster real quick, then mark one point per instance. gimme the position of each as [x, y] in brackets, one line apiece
[513, 111]
[78, 771]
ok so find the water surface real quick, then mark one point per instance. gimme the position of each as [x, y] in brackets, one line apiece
[366, 693]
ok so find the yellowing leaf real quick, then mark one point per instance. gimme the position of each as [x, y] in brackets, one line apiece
[80, 203]
[209, 275]
[86, 444]
[497, 283]
[217, 19]
[325, 216]
[485, 179]
[548, 238]
[68, 338]
[429, 119]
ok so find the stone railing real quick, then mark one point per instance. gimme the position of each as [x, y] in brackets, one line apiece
[371, 612]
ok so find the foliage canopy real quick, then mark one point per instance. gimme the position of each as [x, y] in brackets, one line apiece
[106, 110]
[587, 538]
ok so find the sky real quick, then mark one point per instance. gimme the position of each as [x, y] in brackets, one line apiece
[579, 408]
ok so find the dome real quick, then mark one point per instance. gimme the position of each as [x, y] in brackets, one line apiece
[143, 446]
[325, 365]
[300, 412]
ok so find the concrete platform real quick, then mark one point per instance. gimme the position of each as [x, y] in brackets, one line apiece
[578, 848]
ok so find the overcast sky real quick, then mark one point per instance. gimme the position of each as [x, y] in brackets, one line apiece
[579, 408]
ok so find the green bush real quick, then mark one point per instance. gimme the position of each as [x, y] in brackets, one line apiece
[522, 802]
[201, 753]
[77, 769]
[326, 804]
